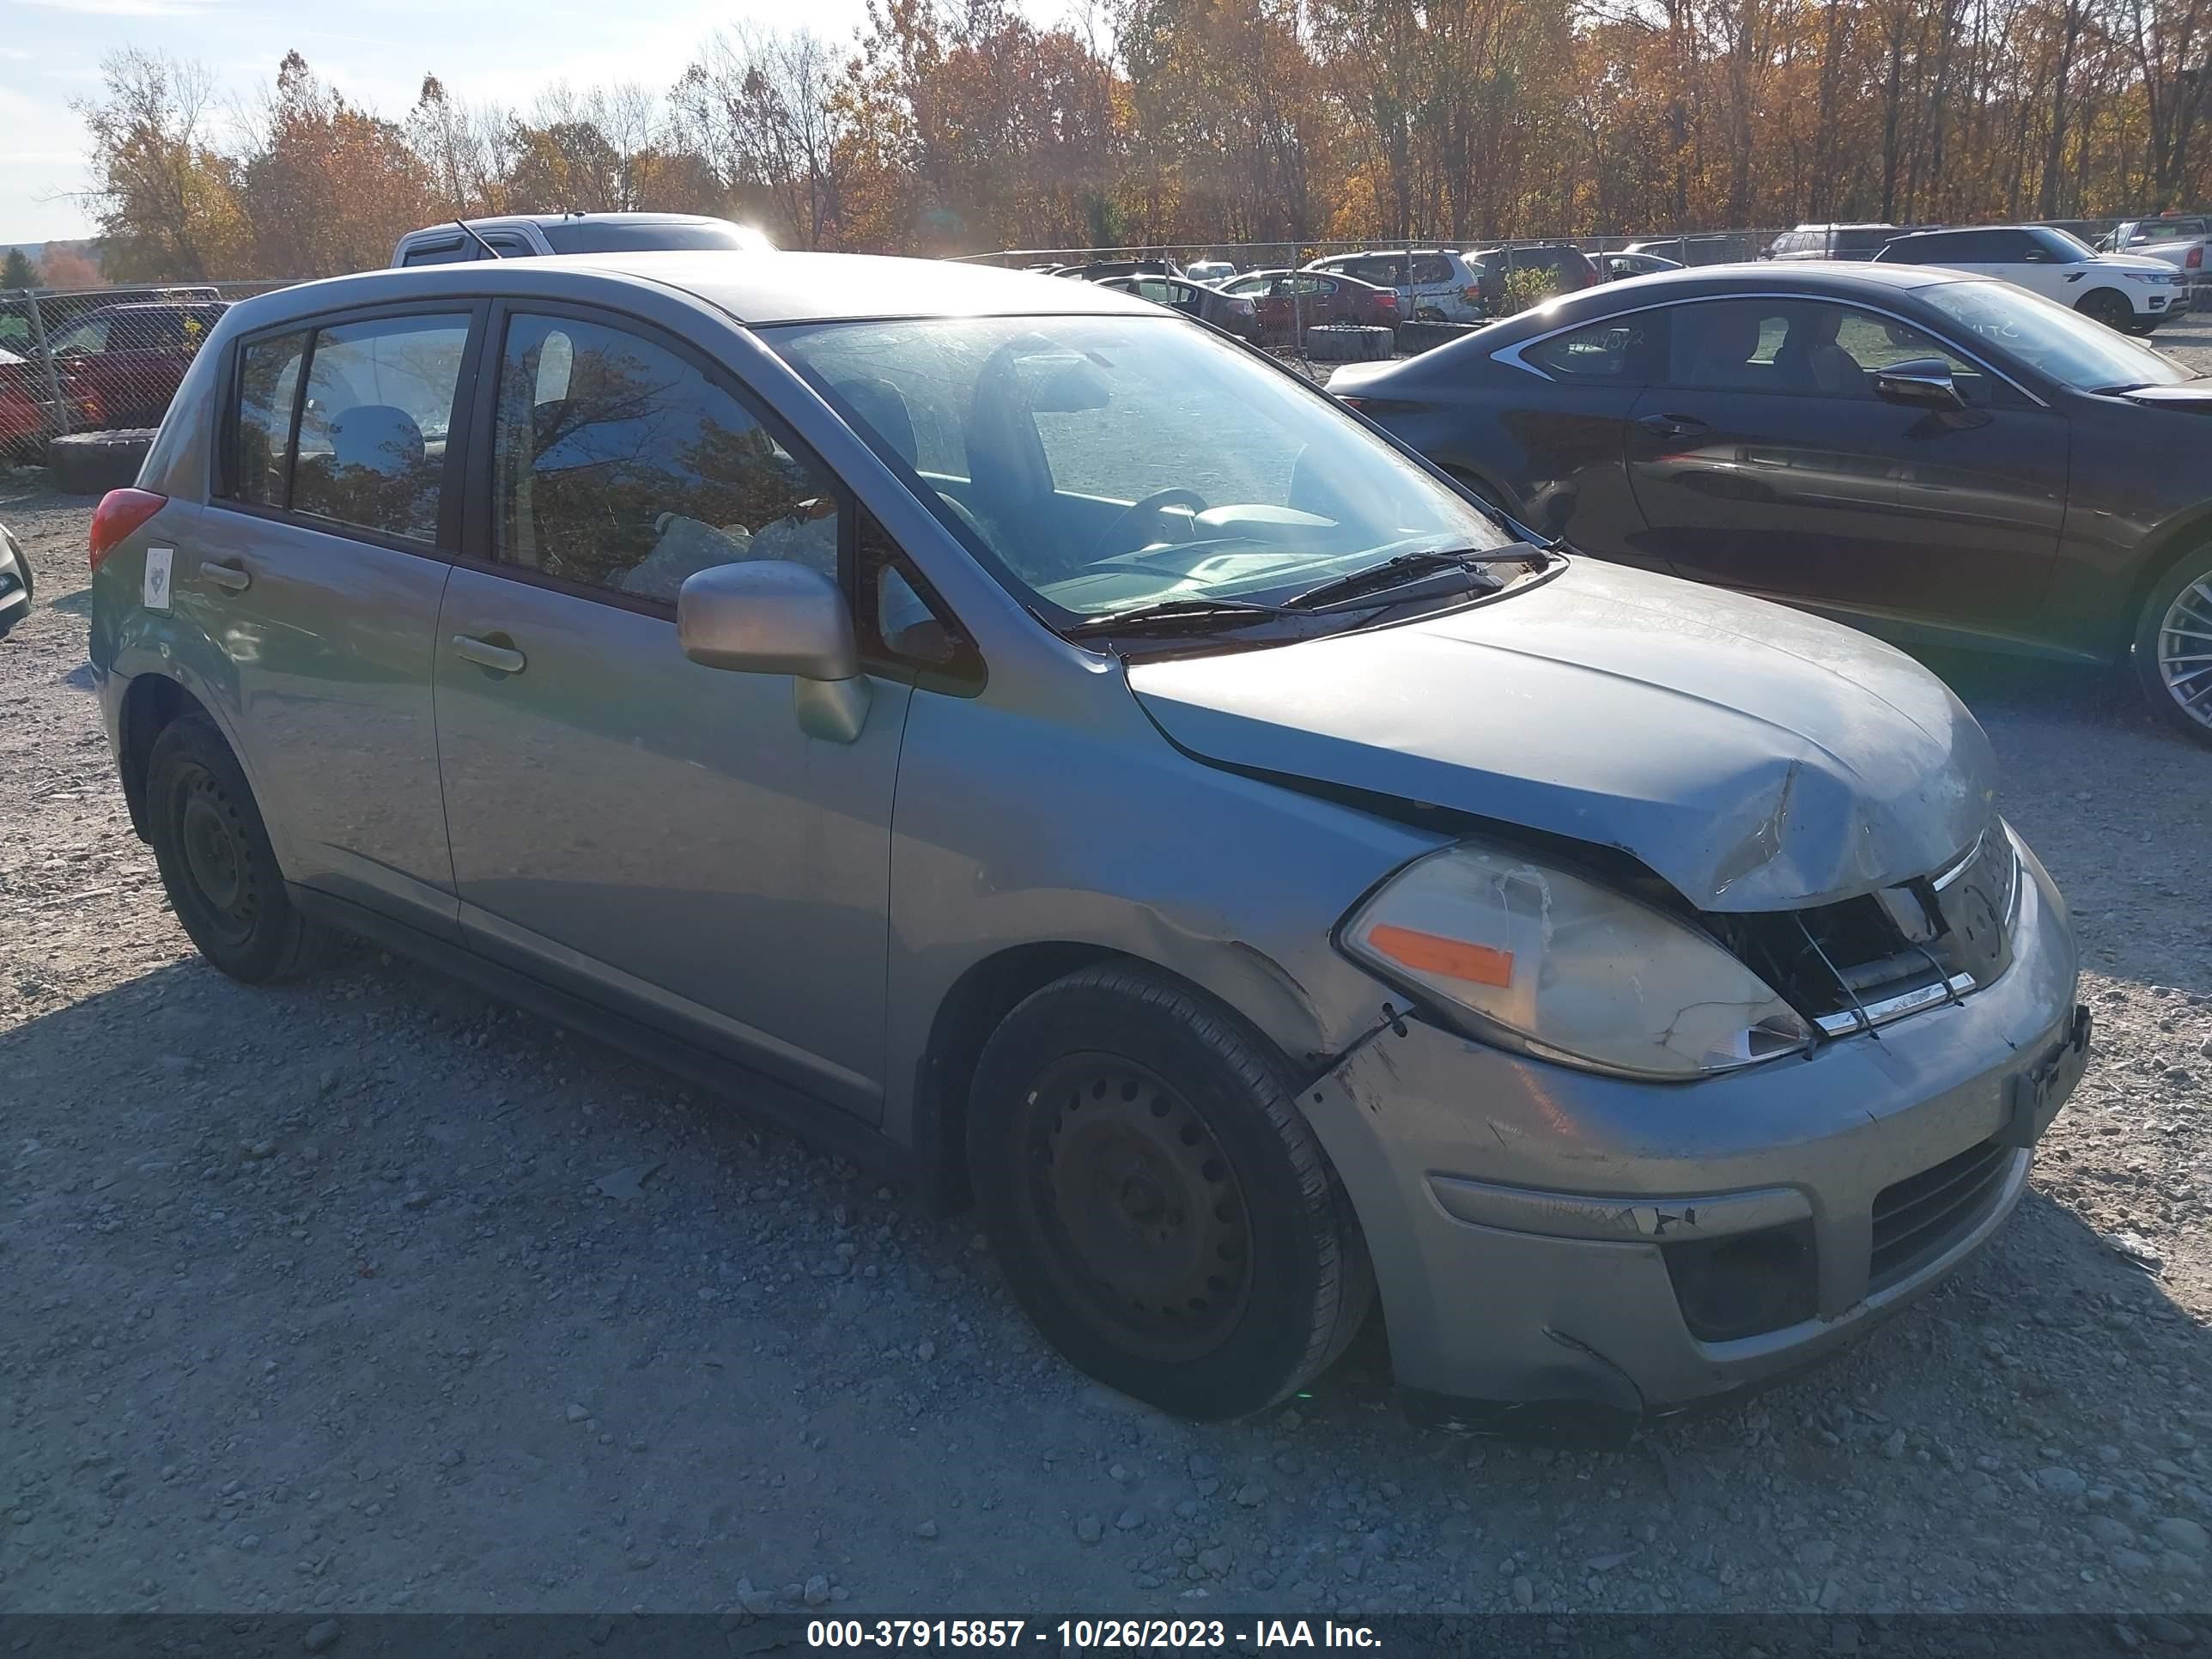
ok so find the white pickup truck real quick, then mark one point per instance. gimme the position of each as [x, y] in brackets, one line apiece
[2179, 238]
[2120, 290]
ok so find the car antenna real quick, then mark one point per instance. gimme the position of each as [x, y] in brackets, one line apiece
[469, 231]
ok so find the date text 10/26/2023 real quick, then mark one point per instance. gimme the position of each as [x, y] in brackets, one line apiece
[1088, 1635]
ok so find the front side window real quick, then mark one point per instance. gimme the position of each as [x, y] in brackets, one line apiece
[261, 422]
[1092, 464]
[1800, 348]
[618, 465]
[86, 338]
[373, 430]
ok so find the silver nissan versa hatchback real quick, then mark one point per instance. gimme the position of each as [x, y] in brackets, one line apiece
[999, 726]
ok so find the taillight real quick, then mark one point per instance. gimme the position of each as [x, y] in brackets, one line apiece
[1352, 403]
[120, 513]
[2195, 258]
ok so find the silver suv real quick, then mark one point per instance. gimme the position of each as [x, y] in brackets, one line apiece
[1014, 734]
[1434, 284]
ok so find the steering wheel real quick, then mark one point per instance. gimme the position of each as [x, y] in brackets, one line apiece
[1149, 508]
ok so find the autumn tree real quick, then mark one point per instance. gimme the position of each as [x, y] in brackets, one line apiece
[164, 196]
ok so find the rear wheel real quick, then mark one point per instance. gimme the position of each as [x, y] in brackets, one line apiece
[2108, 306]
[1160, 1209]
[2173, 645]
[213, 852]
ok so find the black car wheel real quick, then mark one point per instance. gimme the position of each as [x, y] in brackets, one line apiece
[1158, 1206]
[213, 852]
[2108, 306]
[2173, 645]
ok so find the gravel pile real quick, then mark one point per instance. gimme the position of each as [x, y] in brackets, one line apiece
[371, 1294]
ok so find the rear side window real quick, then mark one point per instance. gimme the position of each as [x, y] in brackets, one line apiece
[1619, 351]
[371, 452]
[452, 251]
[1428, 269]
[1862, 241]
[261, 432]
[618, 465]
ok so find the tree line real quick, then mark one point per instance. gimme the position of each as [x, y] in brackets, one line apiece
[950, 126]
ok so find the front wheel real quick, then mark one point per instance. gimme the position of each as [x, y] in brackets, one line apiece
[213, 852]
[2108, 306]
[1160, 1209]
[2173, 650]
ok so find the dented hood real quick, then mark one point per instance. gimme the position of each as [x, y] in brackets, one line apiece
[1754, 757]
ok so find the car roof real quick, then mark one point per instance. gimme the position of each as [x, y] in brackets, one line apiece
[496, 220]
[755, 288]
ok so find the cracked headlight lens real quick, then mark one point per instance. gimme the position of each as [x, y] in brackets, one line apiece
[1561, 967]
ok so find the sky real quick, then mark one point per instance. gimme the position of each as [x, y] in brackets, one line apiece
[376, 52]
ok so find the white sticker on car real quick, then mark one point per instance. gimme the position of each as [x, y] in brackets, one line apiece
[158, 561]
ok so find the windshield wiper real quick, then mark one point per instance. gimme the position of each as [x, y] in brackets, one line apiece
[1174, 612]
[1406, 568]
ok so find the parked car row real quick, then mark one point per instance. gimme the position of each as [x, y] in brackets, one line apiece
[1024, 739]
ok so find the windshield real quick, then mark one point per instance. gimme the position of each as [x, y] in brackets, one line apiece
[2063, 345]
[1099, 463]
[2070, 249]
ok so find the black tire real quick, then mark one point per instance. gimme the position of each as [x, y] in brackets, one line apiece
[2170, 627]
[93, 462]
[215, 862]
[1187, 1242]
[2107, 306]
[2144, 328]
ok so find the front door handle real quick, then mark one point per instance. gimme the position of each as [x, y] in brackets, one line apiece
[1671, 426]
[502, 659]
[232, 577]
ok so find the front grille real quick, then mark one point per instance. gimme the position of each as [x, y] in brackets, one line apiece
[1851, 965]
[1918, 1219]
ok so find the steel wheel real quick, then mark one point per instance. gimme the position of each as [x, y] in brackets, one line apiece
[2184, 651]
[1158, 1205]
[215, 862]
[1144, 1217]
[216, 857]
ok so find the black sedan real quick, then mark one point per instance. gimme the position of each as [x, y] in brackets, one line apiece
[1935, 458]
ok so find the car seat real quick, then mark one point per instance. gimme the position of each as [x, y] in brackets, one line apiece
[1810, 360]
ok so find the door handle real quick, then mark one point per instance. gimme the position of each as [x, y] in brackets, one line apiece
[502, 659]
[232, 577]
[1671, 426]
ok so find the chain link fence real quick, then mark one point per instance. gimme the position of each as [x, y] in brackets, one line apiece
[99, 359]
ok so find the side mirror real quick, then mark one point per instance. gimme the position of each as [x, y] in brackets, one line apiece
[1918, 383]
[773, 616]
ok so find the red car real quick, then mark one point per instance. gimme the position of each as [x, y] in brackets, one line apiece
[1290, 301]
[123, 362]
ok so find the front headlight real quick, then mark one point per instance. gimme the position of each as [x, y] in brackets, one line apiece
[1555, 964]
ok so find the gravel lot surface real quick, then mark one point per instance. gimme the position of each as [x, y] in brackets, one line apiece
[369, 1293]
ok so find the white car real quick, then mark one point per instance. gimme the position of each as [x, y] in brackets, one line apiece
[2121, 290]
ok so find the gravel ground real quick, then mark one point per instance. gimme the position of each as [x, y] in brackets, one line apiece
[369, 1294]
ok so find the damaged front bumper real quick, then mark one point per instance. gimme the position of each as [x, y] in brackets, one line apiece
[1567, 1255]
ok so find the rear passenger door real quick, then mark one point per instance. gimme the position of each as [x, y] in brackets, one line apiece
[660, 837]
[316, 573]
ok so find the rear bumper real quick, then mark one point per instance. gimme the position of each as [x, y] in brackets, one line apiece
[1528, 1223]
